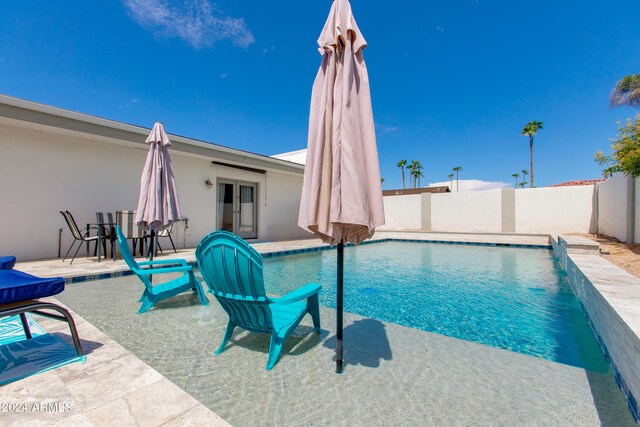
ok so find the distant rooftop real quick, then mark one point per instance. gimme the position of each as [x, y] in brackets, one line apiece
[298, 156]
[578, 182]
[406, 191]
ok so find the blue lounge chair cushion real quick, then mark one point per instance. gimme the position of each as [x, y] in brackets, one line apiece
[19, 286]
[7, 262]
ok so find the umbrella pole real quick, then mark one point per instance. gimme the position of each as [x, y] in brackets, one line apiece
[339, 304]
[150, 251]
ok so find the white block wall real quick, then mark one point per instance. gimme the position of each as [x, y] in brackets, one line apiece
[478, 211]
[612, 214]
[402, 212]
[555, 210]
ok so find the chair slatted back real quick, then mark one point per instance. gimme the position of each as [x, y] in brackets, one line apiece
[125, 252]
[75, 231]
[233, 271]
[126, 220]
[128, 258]
[104, 218]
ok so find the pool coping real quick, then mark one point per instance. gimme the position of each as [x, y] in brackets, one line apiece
[610, 298]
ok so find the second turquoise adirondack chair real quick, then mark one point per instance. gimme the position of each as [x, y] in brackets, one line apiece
[154, 293]
[233, 271]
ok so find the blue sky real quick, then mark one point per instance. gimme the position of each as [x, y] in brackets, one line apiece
[452, 82]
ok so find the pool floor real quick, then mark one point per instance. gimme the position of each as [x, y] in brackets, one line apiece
[394, 375]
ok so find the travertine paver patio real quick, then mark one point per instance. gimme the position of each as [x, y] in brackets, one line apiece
[113, 388]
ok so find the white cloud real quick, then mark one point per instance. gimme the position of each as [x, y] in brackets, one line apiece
[268, 49]
[472, 184]
[387, 129]
[199, 22]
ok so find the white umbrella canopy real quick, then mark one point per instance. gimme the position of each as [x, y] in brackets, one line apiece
[342, 193]
[158, 205]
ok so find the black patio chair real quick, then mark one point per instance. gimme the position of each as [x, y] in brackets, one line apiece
[80, 236]
[166, 233]
[127, 222]
[108, 224]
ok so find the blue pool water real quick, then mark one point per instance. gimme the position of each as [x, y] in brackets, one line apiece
[512, 298]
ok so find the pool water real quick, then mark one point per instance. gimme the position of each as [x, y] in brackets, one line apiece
[512, 298]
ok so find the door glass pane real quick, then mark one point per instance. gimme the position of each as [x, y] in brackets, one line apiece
[247, 210]
[225, 207]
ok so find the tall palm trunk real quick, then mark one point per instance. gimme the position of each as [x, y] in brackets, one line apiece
[403, 185]
[531, 159]
[457, 183]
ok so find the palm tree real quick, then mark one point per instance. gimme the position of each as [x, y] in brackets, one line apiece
[412, 171]
[419, 174]
[524, 174]
[451, 181]
[626, 92]
[516, 176]
[417, 168]
[457, 170]
[530, 130]
[522, 184]
[414, 168]
[402, 164]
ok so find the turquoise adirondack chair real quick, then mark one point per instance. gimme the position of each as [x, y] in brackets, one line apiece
[154, 293]
[233, 271]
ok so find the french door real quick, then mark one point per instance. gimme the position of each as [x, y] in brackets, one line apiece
[237, 208]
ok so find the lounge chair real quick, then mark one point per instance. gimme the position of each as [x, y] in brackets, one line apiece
[25, 353]
[154, 293]
[233, 271]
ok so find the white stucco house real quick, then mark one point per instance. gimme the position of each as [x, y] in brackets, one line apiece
[54, 159]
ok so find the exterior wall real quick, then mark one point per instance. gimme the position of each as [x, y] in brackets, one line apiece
[478, 211]
[538, 210]
[44, 173]
[612, 207]
[403, 212]
[281, 207]
[554, 210]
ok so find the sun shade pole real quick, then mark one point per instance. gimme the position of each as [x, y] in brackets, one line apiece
[339, 304]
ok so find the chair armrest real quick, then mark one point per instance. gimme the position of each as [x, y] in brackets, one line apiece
[85, 231]
[299, 294]
[164, 261]
[149, 271]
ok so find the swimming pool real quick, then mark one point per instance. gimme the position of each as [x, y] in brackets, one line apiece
[394, 374]
[512, 298]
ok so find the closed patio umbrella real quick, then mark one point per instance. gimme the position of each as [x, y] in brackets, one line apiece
[341, 195]
[158, 205]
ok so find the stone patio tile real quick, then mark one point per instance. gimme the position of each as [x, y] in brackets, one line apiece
[152, 405]
[198, 416]
[128, 375]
